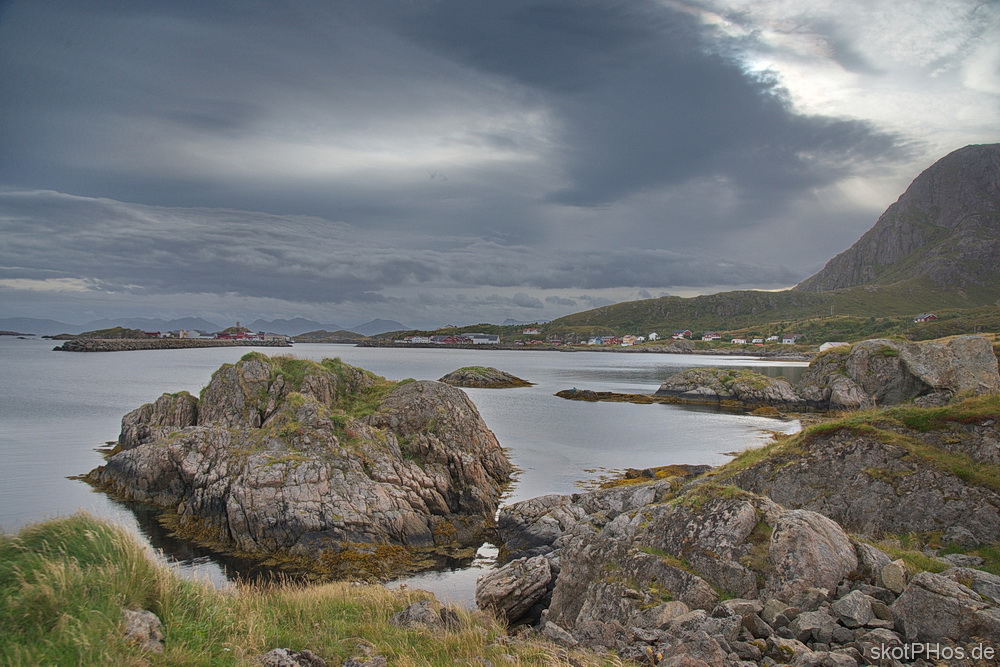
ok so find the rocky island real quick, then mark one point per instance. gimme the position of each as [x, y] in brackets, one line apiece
[483, 377]
[318, 467]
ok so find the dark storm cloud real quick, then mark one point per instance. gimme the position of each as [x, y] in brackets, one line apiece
[513, 147]
[642, 102]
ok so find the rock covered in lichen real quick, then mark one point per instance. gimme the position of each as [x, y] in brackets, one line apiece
[321, 465]
[483, 377]
[727, 386]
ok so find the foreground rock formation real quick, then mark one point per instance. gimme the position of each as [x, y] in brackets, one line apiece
[483, 377]
[317, 466]
[775, 557]
[868, 374]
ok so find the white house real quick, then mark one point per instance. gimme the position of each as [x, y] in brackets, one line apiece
[653, 336]
[712, 335]
[739, 341]
[483, 339]
[791, 339]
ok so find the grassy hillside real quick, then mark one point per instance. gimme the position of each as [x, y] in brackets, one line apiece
[848, 314]
[63, 585]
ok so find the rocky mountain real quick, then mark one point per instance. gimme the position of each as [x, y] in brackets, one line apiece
[945, 228]
[934, 249]
[321, 467]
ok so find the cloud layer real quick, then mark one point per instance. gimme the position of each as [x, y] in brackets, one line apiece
[531, 156]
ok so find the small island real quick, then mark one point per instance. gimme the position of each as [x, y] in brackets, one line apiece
[483, 377]
[321, 468]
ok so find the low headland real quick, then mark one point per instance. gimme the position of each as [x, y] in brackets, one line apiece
[132, 344]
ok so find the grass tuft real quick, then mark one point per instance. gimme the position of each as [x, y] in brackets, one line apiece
[63, 584]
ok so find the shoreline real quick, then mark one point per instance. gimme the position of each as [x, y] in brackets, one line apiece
[131, 344]
[778, 355]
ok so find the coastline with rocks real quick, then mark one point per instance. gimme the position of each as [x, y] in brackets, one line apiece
[831, 547]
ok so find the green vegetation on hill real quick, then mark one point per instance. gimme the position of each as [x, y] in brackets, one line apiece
[64, 584]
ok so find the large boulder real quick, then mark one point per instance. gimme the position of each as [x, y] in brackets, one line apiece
[889, 372]
[934, 608]
[515, 589]
[320, 466]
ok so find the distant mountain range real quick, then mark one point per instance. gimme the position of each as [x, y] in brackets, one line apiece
[292, 327]
[936, 248]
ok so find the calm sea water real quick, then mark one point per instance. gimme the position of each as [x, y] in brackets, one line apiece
[57, 408]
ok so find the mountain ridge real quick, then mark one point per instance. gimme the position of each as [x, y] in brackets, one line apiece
[933, 249]
[945, 226]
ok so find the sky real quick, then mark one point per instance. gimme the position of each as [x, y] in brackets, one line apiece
[460, 161]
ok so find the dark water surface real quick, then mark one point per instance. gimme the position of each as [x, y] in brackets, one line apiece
[57, 408]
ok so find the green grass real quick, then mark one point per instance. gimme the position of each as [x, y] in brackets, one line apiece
[63, 585]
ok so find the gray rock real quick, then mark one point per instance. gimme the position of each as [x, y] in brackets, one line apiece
[812, 626]
[418, 613]
[757, 627]
[284, 657]
[936, 608]
[854, 609]
[963, 560]
[772, 608]
[739, 607]
[824, 659]
[558, 634]
[871, 560]
[960, 536]
[785, 650]
[984, 583]
[808, 551]
[894, 576]
[144, 629]
[889, 372]
[810, 599]
[514, 589]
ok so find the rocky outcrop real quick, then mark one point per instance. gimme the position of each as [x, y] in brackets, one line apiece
[715, 575]
[889, 372]
[483, 377]
[912, 470]
[730, 387]
[944, 229]
[318, 466]
[752, 563]
[868, 374]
